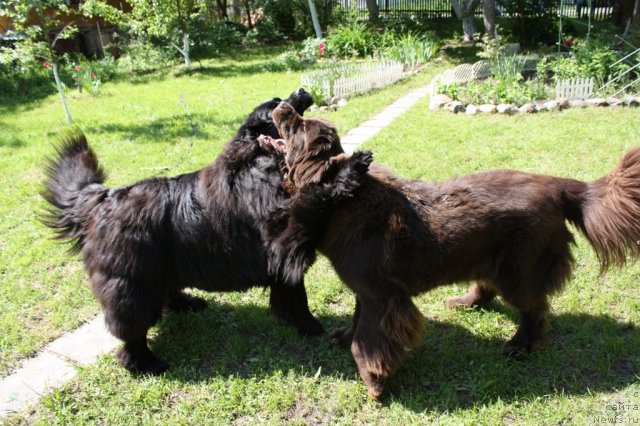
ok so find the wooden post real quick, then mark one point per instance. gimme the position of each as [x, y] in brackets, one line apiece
[61, 93]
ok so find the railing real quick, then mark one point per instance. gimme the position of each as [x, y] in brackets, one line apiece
[599, 9]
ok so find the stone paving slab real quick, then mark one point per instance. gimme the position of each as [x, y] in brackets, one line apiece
[56, 364]
[365, 131]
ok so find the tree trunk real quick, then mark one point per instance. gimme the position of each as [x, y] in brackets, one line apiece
[489, 17]
[314, 19]
[468, 28]
[222, 10]
[185, 50]
[374, 12]
[236, 8]
[636, 13]
[248, 10]
[465, 10]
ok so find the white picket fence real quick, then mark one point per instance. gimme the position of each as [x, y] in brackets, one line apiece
[353, 79]
[575, 88]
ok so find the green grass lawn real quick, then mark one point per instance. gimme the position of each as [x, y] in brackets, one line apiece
[233, 363]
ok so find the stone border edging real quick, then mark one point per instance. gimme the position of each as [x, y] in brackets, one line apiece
[444, 102]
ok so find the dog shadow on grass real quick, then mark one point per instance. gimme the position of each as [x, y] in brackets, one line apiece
[454, 367]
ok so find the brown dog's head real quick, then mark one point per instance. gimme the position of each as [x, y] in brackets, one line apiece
[312, 147]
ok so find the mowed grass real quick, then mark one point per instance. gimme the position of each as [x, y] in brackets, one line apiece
[162, 124]
[235, 364]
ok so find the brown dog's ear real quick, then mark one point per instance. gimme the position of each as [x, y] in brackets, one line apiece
[319, 145]
[314, 172]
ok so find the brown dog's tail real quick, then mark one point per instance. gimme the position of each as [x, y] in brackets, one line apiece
[607, 211]
[69, 173]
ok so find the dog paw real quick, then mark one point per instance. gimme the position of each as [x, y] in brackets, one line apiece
[342, 337]
[456, 302]
[311, 327]
[520, 349]
[141, 363]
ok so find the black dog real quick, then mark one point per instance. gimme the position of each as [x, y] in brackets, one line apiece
[143, 244]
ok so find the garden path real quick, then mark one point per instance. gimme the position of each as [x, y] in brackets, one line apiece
[57, 363]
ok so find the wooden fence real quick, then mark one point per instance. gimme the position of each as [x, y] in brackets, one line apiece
[350, 80]
[575, 88]
[600, 9]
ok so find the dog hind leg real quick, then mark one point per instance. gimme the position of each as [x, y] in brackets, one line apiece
[182, 302]
[129, 312]
[387, 330]
[531, 333]
[479, 295]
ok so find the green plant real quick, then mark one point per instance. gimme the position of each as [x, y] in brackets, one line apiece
[315, 48]
[264, 31]
[290, 60]
[210, 39]
[411, 50]
[508, 69]
[22, 78]
[449, 89]
[353, 40]
[140, 56]
[590, 58]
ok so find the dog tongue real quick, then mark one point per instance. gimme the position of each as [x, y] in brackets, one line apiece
[278, 144]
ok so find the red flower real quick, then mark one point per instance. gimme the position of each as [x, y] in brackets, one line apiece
[46, 64]
[322, 46]
[77, 68]
[93, 75]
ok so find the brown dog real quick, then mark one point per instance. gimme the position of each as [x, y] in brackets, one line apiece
[397, 238]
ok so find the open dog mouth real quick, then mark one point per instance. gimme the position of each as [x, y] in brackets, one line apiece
[277, 144]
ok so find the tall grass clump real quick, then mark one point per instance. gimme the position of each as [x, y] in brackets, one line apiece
[410, 49]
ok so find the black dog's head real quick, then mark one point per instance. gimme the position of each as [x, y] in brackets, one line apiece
[260, 121]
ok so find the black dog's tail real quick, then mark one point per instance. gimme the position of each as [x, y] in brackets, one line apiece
[69, 173]
[607, 211]
[296, 227]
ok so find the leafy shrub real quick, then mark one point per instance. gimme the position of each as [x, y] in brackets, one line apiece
[588, 59]
[141, 56]
[264, 31]
[314, 48]
[353, 40]
[211, 39]
[21, 79]
[289, 61]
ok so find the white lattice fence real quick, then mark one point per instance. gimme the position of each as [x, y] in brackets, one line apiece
[350, 80]
[575, 88]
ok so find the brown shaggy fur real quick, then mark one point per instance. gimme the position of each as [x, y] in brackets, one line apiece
[397, 238]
